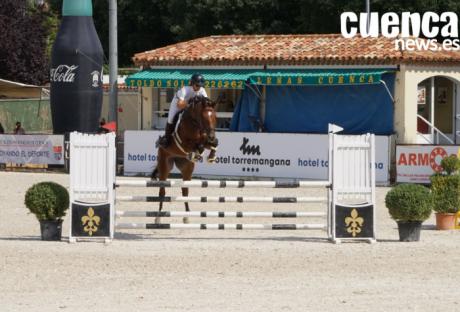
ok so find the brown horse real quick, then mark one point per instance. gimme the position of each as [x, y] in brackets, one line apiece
[194, 131]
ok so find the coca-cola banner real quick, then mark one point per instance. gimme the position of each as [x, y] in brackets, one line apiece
[76, 71]
[32, 149]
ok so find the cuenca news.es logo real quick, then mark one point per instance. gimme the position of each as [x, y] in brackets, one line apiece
[407, 29]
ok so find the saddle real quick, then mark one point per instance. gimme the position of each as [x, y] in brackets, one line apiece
[198, 150]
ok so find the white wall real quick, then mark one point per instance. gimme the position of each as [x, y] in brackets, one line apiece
[128, 102]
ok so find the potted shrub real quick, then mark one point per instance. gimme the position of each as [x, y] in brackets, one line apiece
[49, 202]
[409, 205]
[445, 187]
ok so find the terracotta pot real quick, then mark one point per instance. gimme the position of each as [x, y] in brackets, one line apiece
[445, 221]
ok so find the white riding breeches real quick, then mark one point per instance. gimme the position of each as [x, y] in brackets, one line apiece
[173, 110]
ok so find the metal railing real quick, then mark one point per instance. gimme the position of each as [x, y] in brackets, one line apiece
[435, 133]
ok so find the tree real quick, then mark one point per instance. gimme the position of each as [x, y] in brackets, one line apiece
[23, 37]
[148, 24]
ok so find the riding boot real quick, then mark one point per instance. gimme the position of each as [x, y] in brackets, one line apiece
[166, 139]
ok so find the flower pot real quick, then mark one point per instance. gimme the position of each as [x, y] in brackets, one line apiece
[409, 231]
[445, 221]
[51, 230]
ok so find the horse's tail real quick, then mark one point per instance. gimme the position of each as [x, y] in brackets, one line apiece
[154, 175]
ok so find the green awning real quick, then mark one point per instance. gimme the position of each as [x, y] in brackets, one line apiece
[316, 77]
[236, 78]
[165, 78]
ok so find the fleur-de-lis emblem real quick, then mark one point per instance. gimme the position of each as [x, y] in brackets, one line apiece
[90, 221]
[354, 223]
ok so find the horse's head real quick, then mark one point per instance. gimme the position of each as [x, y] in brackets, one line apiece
[203, 113]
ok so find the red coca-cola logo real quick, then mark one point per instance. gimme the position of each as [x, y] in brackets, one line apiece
[63, 73]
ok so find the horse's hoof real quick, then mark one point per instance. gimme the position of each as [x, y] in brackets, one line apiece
[185, 220]
[157, 220]
[211, 160]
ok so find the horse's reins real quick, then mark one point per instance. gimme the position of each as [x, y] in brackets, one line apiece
[175, 134]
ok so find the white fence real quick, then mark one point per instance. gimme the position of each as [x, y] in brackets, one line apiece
[351, 185]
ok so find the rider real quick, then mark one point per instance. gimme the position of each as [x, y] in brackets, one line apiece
[180, 102]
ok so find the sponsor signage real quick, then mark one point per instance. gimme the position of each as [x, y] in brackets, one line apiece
[63, 73]
[271, 155]
[416, 163]
[32, 149]
[264, 79]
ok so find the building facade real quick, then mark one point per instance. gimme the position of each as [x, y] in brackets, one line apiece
[299, 83]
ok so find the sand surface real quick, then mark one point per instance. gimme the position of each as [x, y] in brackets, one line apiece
[190, 270]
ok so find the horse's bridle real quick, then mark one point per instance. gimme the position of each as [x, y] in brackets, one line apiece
[199, 123]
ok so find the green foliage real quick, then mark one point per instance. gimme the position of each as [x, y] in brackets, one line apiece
[409, 202]
[51, 25]
[446, 192]
[450, 164]
[47, 200]
[148, 24]
[23, 43]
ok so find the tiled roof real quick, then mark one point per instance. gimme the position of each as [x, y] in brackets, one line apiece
[330, 49]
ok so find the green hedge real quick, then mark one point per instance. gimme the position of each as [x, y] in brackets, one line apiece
[47, 200]
[446, 192]
[450, 164]
[409, 202]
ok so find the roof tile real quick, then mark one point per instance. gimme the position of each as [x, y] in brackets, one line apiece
[324, 49]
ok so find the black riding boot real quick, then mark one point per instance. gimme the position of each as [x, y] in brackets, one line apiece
[166, 139]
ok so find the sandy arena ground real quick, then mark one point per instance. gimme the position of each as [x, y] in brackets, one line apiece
[220, 270]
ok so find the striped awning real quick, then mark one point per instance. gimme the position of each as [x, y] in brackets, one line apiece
[236, 78]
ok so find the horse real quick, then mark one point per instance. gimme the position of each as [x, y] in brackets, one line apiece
[194, 132]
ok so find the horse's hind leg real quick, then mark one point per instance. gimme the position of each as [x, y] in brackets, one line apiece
[164, 167]
[186, 167]
[185, 194]
[161, 194]
[154, 174]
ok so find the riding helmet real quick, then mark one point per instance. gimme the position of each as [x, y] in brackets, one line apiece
[197, 79]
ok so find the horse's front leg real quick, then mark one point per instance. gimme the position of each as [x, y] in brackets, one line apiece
[198, 152]
[212, 145]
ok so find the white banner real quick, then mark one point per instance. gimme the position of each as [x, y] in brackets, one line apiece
[274, 155]
[32, 149]
[416, 163]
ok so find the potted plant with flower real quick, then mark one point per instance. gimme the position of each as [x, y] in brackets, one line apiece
[409, 205]
[49, 202]
[445, 187]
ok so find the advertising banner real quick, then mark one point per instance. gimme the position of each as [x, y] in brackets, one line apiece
[32, 149]
[416, 163]
[77, 59]
[272, 155]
